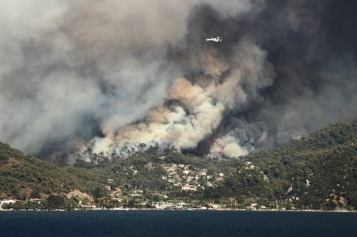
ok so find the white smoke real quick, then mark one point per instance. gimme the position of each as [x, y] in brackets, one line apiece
[119, 76]
[228, 147]
[67, 66]
[197, 110]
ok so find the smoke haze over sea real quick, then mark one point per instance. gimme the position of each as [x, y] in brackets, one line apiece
[118, 76]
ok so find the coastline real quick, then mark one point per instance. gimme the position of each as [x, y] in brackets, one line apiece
[154, 209]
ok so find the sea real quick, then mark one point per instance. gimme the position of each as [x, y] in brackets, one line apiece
[176, 223]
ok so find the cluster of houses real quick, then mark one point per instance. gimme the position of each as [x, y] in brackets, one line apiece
[254, 206]
[183, 206]
[118, 191]
[12, 201]
[181, 175]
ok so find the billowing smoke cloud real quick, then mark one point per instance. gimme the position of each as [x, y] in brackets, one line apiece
[193, 111]
[116, 77]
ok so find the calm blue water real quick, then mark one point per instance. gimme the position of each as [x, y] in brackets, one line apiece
[177, 223]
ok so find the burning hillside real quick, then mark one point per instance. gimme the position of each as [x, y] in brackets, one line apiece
[116, 78]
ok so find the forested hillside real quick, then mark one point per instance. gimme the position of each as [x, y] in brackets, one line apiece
[152, 170]
[24, 176]
[316, 171]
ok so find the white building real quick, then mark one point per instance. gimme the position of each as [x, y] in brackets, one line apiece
[6, 202]
[186, 171]
[186, 187]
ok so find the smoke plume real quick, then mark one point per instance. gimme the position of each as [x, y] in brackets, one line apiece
[112, 77]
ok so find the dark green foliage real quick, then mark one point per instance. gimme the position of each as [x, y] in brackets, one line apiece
[99, 192]
[55, 202]
[21, 174]
[35, 193]
[318, 167]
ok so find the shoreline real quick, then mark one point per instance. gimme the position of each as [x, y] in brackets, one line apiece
[153, 209]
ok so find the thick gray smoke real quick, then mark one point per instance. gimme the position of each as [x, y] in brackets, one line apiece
[118, 76]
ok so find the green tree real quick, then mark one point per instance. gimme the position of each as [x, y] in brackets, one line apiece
[85, 201]
[55, 202]
[35, 194]
[99, 192]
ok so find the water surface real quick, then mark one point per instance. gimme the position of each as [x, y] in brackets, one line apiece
[177, 223]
